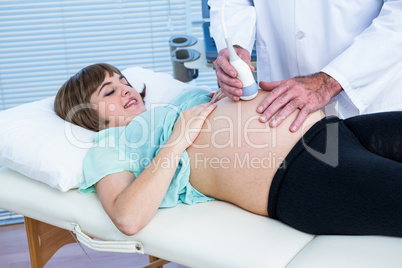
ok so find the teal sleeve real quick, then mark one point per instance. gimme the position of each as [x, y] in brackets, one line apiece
[100, 162]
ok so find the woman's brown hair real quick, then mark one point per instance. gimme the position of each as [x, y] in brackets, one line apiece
[72, 101]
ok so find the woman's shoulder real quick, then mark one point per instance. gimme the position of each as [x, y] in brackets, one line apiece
[190, 94]
[113, 132]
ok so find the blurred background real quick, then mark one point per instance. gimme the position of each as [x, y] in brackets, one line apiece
[42, 43]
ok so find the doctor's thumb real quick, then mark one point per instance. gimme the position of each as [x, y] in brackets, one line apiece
[268, 86]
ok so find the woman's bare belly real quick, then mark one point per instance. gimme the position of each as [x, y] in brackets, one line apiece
[235, 157]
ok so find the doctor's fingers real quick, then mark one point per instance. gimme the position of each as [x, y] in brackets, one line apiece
[268, 86]
[288, 102]
[301, 117]
[230, 86]
[245, 56]
[223, 60]
[288, 108]
[274, 101]
[222, 63]
[277, 88]
[284, 101]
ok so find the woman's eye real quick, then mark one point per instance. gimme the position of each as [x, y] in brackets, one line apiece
[125, 82]
[109, 93]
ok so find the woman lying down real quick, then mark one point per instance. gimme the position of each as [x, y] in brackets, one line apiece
[331, 177]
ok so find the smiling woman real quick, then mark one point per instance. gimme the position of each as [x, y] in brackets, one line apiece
[326, 178]
[85, 98]
[116, 102]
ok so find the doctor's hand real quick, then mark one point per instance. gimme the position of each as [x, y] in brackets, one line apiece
[226, 74]
[307, 93]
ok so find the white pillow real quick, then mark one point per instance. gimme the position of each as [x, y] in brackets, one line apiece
[37, 143]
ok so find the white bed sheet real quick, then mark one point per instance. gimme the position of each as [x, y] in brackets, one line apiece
[213, 234]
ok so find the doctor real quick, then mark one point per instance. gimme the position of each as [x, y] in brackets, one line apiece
[345, 55]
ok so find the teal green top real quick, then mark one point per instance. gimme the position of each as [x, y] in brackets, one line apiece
[132, 148]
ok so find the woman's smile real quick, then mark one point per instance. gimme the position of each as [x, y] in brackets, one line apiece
[132, 101]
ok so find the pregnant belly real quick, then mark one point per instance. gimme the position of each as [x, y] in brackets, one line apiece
[235, 156]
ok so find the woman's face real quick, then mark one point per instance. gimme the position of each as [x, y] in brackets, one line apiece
[116, 102]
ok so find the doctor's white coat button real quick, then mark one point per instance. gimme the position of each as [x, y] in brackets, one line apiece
[300, 35]
[138, 246]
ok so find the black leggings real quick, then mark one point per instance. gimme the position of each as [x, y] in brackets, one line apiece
[343, 177]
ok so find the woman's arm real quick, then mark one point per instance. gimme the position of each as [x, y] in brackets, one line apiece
[132, 202]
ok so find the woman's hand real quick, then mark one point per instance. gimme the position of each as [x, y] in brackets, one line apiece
[132, 202]
[189, 125]
[217, 95]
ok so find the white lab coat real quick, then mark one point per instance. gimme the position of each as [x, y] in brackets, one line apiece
[357, 42]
